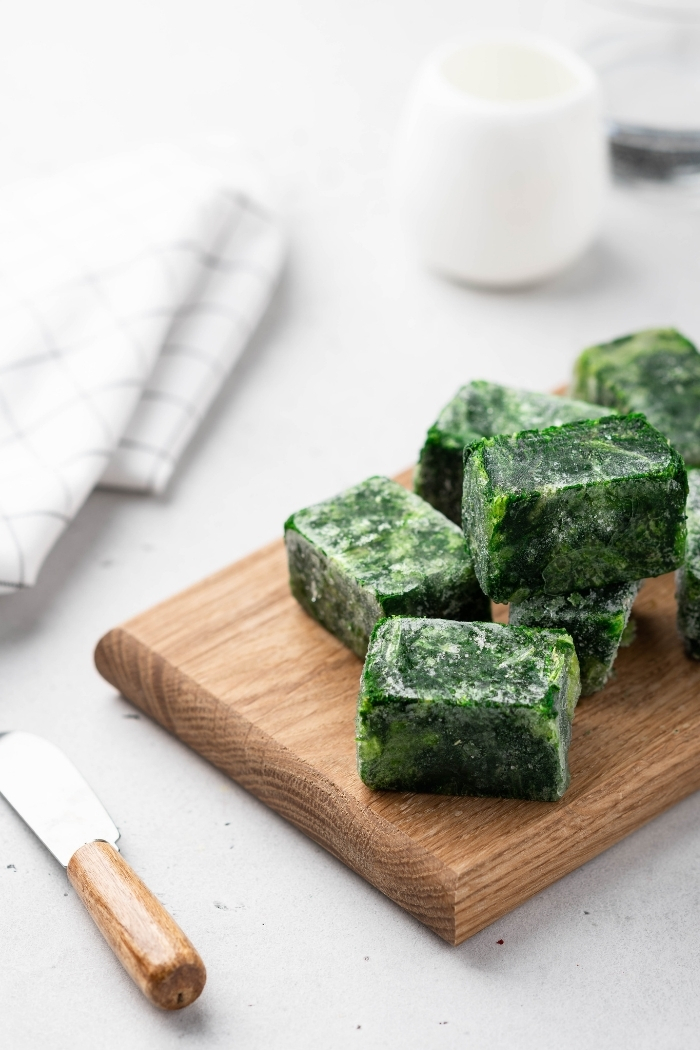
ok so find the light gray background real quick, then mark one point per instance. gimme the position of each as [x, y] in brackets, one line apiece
[359, 351]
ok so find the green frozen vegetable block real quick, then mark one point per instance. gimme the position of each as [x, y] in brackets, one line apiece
[596, 620]
[688, 578]
[482, 409]
[630, 632]
[467, 709]
[377, 550]
[656, 372]
[573, 507]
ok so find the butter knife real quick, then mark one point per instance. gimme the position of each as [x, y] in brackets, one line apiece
[50, 795]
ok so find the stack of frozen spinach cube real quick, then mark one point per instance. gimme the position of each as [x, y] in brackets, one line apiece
[563, 514]
[596, 616]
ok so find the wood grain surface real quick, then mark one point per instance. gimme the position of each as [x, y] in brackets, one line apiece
[237, 670]
[145, 938]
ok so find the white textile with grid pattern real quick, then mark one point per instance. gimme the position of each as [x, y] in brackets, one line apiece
[128, 288]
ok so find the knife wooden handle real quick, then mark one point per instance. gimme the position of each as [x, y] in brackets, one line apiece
[144, 937]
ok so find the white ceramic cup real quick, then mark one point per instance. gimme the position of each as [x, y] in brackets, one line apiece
[501, 161]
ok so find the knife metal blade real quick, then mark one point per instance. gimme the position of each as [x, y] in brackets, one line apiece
[50, 795]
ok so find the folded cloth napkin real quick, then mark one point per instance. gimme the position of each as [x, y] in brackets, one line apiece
[128, 288]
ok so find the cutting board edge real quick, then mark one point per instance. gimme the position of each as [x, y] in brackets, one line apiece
[481, 885]
[372, 846]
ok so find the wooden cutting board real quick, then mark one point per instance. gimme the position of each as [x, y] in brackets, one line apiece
[237, 670]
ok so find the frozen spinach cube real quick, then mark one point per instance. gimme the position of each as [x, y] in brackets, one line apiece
[596, 620]
[630, 632]
[656, 372]
[482, 409]
[377, 550]
[467, 709]
[688, 577]
[574, 507]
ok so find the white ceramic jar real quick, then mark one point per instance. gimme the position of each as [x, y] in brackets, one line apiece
[501, 160]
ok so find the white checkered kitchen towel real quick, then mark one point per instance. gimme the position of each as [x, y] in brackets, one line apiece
[128, 288]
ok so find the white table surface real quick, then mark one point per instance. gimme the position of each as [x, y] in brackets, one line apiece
[359, 351]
